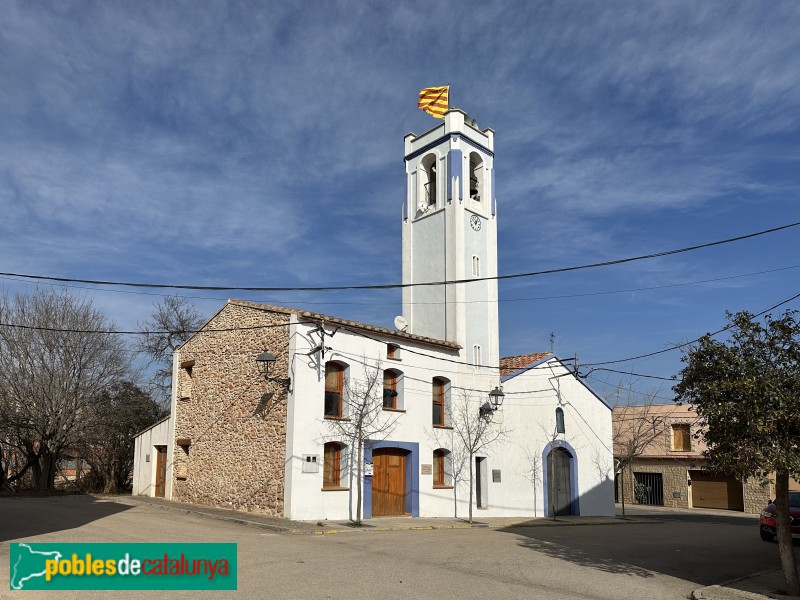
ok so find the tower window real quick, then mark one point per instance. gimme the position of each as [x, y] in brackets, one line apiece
[476, 266]
[476, 355]
[476, 171]
[428, 179]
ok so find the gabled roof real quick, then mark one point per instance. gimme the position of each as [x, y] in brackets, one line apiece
[512, 364]
[346, 323]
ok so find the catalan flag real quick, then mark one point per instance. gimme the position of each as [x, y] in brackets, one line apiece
[434, 101]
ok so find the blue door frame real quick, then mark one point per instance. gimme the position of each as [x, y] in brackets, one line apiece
[573, 470]
[412, 475]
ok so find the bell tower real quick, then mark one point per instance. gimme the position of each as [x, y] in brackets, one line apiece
[450, 234]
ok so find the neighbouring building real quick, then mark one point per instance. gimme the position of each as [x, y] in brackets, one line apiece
[667, 466]
[279, 443]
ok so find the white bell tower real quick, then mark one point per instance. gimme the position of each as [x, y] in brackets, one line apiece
[450, 234]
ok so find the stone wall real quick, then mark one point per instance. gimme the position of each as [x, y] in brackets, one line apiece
[233, 420]
[675, 476]
[756, 496]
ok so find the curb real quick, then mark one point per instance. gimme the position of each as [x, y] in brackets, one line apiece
[721, 591]
[237, 520]
[373, 529]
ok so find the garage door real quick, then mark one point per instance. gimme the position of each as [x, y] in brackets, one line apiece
[711, 491]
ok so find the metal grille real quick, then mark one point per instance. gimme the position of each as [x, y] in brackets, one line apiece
[648, 488]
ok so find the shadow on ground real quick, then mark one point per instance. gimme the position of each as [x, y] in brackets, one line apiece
[699, 547]
[26, 516]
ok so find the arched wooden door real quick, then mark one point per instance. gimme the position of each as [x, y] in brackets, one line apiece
[388, 482]
[559, 482]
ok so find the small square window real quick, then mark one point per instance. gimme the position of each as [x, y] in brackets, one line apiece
[681, 437]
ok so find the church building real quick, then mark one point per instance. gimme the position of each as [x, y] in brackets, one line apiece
[283, 411]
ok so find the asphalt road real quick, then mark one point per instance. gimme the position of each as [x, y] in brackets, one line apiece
[666, 556]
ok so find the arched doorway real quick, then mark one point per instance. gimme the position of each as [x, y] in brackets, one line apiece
[559, 482]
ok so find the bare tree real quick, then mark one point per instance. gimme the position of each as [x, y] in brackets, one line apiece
[533, 473]
[114, 418]
[365, 420]
[57, 352]
[474, 431]
[173, 320]
[455, 464]
[636, 425]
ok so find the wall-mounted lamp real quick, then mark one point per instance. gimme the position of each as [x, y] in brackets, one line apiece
[496, 397]
[264, 361]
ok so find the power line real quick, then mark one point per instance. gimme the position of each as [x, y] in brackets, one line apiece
[405, 285]
[450, 302]
[629, 373]
[116, 332]
[689, 343]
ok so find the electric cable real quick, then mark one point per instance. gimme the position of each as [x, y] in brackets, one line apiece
[689, 343]
[449, 302]
[607, 263]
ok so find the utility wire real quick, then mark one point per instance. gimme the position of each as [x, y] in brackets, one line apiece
[453, 302]
[689, 343]
[405, 285]
[627, 373]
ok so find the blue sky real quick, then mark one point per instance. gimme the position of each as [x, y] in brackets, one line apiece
[261, 144]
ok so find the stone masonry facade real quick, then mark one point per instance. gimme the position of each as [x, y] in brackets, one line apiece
[230, 423]
[675, 477]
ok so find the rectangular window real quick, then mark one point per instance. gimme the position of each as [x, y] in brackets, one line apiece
[438, 401]
[334, 383]
[476, 266]
[389, 389]
[438, 468]
[392, 351]
[333, 466]
[681, 437]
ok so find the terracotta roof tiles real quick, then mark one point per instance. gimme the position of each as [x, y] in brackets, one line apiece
[511, 364]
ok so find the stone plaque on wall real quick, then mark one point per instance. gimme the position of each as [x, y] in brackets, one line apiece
[496, 475]
[427, 469]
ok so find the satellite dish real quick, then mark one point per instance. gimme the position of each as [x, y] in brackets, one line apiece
[401, 323]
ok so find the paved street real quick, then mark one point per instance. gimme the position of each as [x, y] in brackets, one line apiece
[667, 555]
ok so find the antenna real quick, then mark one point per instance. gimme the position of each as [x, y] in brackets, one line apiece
[400, 323]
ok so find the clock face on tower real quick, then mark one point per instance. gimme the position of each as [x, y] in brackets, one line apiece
[475, 222]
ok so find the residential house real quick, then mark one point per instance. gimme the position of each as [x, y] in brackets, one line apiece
[666, 465]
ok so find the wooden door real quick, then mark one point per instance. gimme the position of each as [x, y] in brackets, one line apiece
[388, 482]
[559, 482]
[161, 470]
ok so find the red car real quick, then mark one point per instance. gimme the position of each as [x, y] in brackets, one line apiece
[768, 527]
